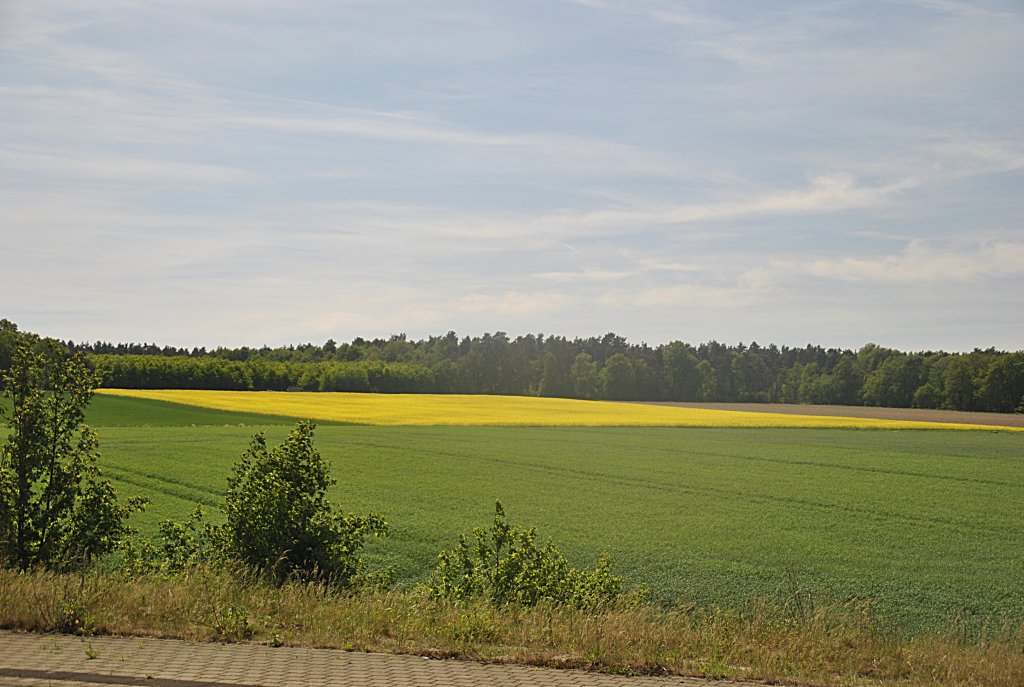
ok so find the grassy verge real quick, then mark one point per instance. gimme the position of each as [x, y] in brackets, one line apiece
[824, 645]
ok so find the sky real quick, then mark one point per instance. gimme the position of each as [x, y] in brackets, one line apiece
[228, 173]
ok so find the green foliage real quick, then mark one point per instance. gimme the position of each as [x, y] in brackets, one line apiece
[177, 548]
[682, 381]
[279, 522]
[1003, 388]
[9, 336]
[584, 376]
[55, 509]
[507, 566]
[617, 380]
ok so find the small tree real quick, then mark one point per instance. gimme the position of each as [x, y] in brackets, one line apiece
[279, 520]
[55, 510]
[278, 523]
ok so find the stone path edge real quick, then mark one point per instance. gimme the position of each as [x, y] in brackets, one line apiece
[30, 659]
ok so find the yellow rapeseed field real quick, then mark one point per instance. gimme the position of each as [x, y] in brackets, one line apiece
[451, 409]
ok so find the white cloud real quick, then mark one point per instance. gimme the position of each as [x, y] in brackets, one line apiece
[923, 262]
[584, 275]
[920, 262]
[677, 296]
[64, 164]
[513, 303]
[963, 9]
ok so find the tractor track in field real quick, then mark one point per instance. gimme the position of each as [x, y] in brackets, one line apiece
[877, 514]
[673, 451]
[728, 493]
[169, 487]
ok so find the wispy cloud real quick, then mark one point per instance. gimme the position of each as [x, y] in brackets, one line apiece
[71, 164]
[920, 262]
[956, 8]
[923, 262]
[584, 275]
[695, 296]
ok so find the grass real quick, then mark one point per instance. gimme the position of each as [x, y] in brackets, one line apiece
[460, 410]
[827, 645]
[924, 525]
[110, 410]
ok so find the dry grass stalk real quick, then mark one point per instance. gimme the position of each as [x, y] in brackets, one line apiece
[829, 645]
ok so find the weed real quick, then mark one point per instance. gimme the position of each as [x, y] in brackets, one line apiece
[232, 624]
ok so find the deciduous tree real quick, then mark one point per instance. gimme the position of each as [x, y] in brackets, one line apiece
[56, 511]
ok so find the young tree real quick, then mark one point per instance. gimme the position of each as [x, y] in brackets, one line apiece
[279, 520]
[55, 510]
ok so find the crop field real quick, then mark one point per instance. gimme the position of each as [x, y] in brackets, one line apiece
[927, 525]
[460, 410]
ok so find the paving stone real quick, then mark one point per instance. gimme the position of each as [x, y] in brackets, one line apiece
[33, 660]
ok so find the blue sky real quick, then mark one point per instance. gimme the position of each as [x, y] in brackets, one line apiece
[248, 173]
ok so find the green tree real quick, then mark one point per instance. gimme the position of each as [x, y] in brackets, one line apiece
[751, 377]
[55, 509]
[958, 384]
[1003, 387]
[584, 376]
[845, 382]
[617, 379]
[708, 381]
[555, 377]
[279, 521]
[893, 383]
[679, 367]
[9, 336]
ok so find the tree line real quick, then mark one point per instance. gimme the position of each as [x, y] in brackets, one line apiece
[606, 367]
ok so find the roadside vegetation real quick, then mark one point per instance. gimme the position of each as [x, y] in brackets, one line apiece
[792, 643]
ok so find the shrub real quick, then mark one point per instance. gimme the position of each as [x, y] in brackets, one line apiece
[178, 548]
[278, 522]
[506, 566]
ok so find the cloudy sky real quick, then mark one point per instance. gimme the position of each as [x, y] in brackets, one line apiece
[227, 173]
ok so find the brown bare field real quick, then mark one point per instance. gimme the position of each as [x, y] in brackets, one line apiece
[916, 414]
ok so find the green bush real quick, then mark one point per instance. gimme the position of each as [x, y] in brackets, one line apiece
[506, 566]
[178, 547]
[278, 522]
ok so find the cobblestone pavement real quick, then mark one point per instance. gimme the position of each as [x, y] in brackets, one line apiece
[32, 660]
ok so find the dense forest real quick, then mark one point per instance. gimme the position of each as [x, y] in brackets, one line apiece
[606, 367]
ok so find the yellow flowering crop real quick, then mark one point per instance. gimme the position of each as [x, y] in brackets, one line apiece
[452, 409]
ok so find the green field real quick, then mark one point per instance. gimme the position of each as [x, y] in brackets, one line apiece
[929, 525]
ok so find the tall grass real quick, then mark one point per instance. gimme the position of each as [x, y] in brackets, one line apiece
[823, 644]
